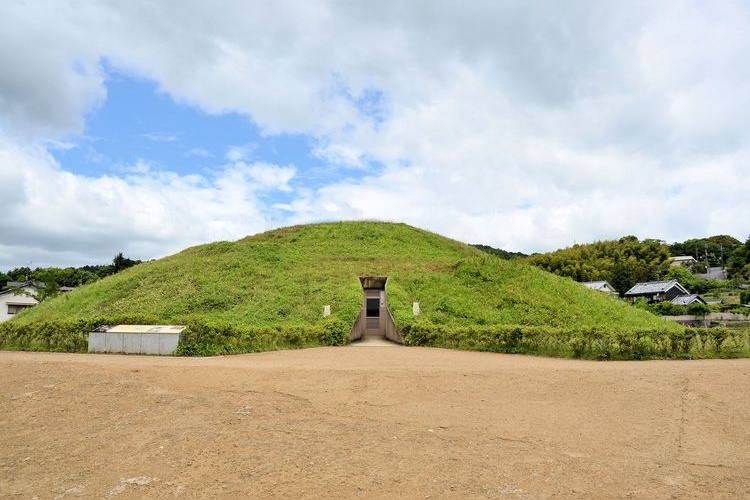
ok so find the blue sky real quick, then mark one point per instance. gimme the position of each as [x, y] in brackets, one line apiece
[138, 123]
[145, 128]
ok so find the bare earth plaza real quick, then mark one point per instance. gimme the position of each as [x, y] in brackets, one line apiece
[371, 422]
[345, 249]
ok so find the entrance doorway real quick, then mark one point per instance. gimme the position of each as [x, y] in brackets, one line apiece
[375, 320]
[372, 312]
[375, 307]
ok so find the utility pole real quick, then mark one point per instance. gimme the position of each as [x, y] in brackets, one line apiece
[705, 251]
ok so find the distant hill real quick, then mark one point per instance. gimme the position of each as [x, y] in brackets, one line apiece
[622, 262]
[628, 260]
[716, 249]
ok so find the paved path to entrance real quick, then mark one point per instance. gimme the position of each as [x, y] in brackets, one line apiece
[373, 341]
[351, 423]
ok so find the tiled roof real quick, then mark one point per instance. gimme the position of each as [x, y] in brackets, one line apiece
[597, 285]
[686, 300]
[680, 258]
[654, 287]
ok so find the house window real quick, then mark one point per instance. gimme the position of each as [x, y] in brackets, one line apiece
[17, 308]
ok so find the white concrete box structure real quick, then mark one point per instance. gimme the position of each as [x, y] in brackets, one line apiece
[136, 339]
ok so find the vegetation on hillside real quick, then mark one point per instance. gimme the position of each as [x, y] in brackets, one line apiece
[714, 249]
[622, 263]
[55, 277]
[268, 291]
[503, 254]
[628, 260]
[738, 264]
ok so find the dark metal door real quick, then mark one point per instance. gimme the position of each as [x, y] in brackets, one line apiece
[372, 311]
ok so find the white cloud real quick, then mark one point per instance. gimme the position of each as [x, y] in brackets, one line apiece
[238, 153]
[272, 176]
[147, 213]
[160, 137]
[527, 125]
[55, 78]
[200, 153]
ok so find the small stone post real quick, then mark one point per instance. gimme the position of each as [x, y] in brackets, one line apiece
[326, 311]
[415, 308]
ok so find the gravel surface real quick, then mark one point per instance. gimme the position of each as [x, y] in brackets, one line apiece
[376, 422]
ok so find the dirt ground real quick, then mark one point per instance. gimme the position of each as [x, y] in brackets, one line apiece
[371, 422]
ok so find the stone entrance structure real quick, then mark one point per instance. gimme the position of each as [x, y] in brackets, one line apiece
[375, 319]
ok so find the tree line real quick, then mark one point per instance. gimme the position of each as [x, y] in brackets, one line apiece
[714, 251]
[622, 263]
[54, 277]
[628, 260]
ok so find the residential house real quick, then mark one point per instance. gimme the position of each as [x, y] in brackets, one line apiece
[656, 291]
[686, 300]
[601, 286]
[16, 298]
[684, 261]
[19, 296]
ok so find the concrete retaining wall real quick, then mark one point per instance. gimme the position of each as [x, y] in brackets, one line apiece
[358, 328]
[712, 317]
[730, 320]
[389, 324]
[391, 332]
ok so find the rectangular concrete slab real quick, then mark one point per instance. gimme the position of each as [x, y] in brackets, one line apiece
[168, 343]
[97, 342]
[146, 329]
[131, 343]
[114, 342]
[137, 339]
[150, 344]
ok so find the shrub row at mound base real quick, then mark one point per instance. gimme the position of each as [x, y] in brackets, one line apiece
[199, 339]
[594, 343]
[58, 336]
[212, 339]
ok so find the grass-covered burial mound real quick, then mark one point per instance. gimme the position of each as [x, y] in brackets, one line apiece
[268, 291]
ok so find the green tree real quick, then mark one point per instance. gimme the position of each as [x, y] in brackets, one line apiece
[622, 262]
[738, 265]
[698, 309]
[19, 274]
[622, 277]
[120, 263]
[713, 247]
[687, 279]
[45, 285]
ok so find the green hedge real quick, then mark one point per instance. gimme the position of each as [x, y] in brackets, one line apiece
[199, 338]
[594, 343]
[57, 336]
[210, 339]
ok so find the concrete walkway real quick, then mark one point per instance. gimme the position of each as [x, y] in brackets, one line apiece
[374, 342]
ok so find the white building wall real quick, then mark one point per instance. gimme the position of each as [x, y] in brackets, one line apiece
[9, 297]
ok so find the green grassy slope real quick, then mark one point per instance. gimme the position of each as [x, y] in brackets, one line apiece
[280, 280]
[287, 275]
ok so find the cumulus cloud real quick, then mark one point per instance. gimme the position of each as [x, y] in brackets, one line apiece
[145, 213]
[525, 125]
